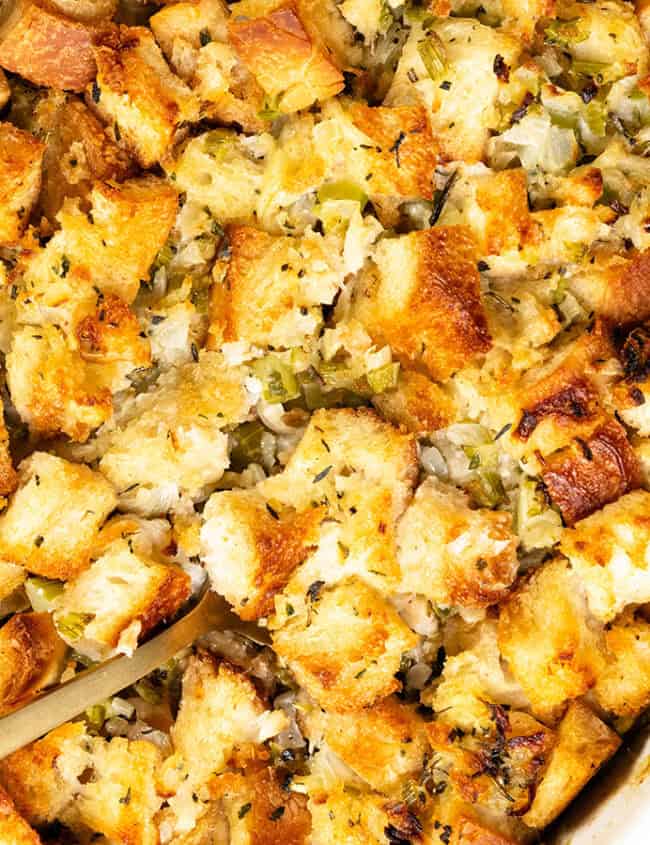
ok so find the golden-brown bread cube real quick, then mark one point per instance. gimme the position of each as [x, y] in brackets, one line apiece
[375, 820]
[108, 251]
[261, 809]
[48, 48]
[228, 92]
[361, 470]
[54, 517]
[583, 744]
[417, 404]
[52, 389]
[561, 400]
[346, 648]
[31, 658]
[193, 21]
[494, 204]
[42, 777]
[389, 153]
[273, 288]
[384, 745]
[587, 474]
[135, 92]
[453, 555]
[352, 442]
[118, 599]
[610, 551]
[111, 343]
[21, 157]
[120, 798]
[422, 298]
[552, 647]
[623, 687]
[231, 190]
[288, 64]
[221, 720]
[86, 10]
[614, 286]
[498, 766]
[466, 51]
[250, 552]
[78, 151]
[172, 443]
[14, 830]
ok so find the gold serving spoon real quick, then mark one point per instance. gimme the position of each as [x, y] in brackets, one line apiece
[62, 703]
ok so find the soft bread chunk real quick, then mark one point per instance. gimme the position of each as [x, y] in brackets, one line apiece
[42, 777]
[188, 20]
[615, 287]
[53, 390]
[137, 94]
[110, 250]
[417, 404]
[221, 720]
[353, 442]
[249, 553]
[623, 687]
[453, 555]
[172, 442]
[120, 801]
[586, 475]
[231, 190]
[31, 657]
[610, 551]
[460, 120]
[584, 743]
[361, 470]
[545, 634]
[561, 400]
[220, 714]
[422, 298]
[273, 288]
[78, 152]
[272, 812]
[54, 517]
[286, 62]
[346, 648]
[48, 48]
[388, 153]
[21, 157]
[384, 745]
[494, 205]
[111, 343]
[608, 31]
[118, 599]
[14, 830]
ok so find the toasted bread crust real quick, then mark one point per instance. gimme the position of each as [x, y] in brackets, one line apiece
[433, 318]
[31, 656]
[49, 49]
[589, 474]
[281, 56]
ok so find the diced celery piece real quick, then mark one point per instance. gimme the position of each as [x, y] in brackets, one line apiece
[344, 189]
[42, 593]
[433, 57]
[71, 626]
[279, 383]
[383, 378]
